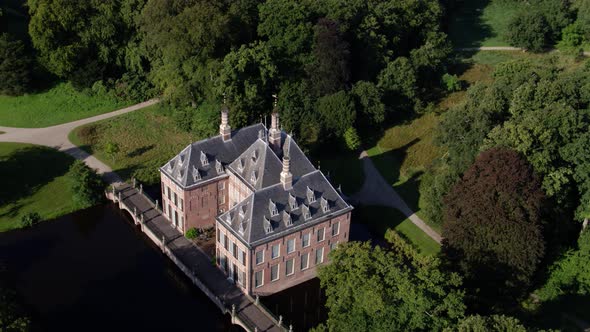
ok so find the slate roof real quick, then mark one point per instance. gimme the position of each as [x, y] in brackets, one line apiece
[255, 221]
[187, 168]
[258, 166]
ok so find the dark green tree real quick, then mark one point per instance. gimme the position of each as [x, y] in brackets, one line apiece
[15, 66]
[374, 289]
[337, 112]
[492, 225]
[87, 186]
[494, 323]
[367, 98]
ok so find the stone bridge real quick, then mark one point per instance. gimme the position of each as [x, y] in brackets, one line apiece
[245, 311]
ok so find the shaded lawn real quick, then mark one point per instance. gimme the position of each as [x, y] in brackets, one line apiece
[477, 23]
[379, 219]
[342, 168]
[33, 180]
[147, 139]
[60, 104]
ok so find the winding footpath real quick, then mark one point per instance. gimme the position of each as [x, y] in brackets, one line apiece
[57, 137]
[376, 191]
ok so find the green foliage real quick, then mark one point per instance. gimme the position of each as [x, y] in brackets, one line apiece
[192, 233]
[30, 219]
[112, 149]
[15, 66]
[398, 81]
[352, 139]
[493, 323]
[434, 185]
[452, 83]
[572, 36]
[373, 289]
[570, 275]
[368, 102]
[529, 30]
[492, 224]
[87, 186]
[337, 112]
[11, 318]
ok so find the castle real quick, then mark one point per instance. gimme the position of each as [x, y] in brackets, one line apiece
[276, 216]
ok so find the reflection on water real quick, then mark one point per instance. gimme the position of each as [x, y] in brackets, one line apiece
[93, 271]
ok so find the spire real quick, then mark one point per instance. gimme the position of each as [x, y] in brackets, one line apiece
[274, 134]
[286, 176]
[224, 128]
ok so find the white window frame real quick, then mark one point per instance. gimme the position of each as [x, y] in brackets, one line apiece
[303, 245]
[256, 257]
[292, 260]
[321, 249]
[337, 224]
[261, 279]
[278, 267]
[323, 234]
[307, 261]
[294, 245]
[272, 256]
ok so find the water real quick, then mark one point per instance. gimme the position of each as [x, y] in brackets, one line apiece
[94, 271]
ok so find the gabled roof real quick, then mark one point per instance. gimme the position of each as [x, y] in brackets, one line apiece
[259, 207]
[258, 166]
[181, 168]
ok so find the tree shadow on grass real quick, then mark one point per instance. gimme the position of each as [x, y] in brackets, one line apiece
[139, 151]
[467, 28]
[26, 170]
[568, 312]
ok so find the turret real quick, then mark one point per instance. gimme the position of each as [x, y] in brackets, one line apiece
[286, 176]
[274, 134]
[224, 128]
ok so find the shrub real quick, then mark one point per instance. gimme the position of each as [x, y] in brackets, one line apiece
[15, 66]
[352, 139]
[87, 186]
[30, 219]
[192, 233]
[528, 30]
[452, 82]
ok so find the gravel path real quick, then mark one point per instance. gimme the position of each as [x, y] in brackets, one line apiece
[57, 137]
[376, 191]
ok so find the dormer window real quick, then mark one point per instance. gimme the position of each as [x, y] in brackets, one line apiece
[325, 205]
[267, 226]
[196, 174]
[240, 164]
[204, 159]
[293, 202]
[242, 227]
[272, 208]
[310, 195]
[254, 177]
[181, 159]
[170, 165]
[287, 219]
[218, 167]
[306, 212]
[228, 218]
[254, 155]
[242, 211]
[180, 175]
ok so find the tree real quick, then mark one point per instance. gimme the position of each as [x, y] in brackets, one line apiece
[111, 149]
[374, 289]
[87, 186]
[528, 30]
[492, 224]
[30, 219]
[329, 71]
[15, 66]
[494, 323]
[368, 101]
[337, 112]
[398, 81]
[352, 139]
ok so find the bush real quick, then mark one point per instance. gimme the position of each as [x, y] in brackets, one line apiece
[192, 233]
[30, 219]
[352, 139]
[87, 186]
[528, 30]
[15, 66]
[452, 82]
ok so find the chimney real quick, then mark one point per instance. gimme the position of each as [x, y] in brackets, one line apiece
[224, 128]
[274, 134]
[286, 176]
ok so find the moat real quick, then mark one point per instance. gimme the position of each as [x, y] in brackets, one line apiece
[93, 270]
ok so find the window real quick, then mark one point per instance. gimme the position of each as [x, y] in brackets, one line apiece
[225, 242]
[305, 241]
[175, 199]
[290, 246]
[310, 195]
[321, 234]
[274, 272]
[272, 208]
[258, 279]
[335, 229]
[168, 191]
[289, 270]
[260, 257]
[181, 206]
[319, 256]
[276, 251]
[241, 278]
[234, 250]
[221, 238]
[221, 185]
[169, 211]
[223, 262]
[304, 261]
[333, 245]
[241, 256]
[180, 222]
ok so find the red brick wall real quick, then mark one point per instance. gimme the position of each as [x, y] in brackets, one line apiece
[299, 275]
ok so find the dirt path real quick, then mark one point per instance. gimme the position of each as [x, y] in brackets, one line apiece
[57, 137]
[376, 191]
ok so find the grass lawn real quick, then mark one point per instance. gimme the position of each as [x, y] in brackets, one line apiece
[481, 22]
[60, 104]
[343, 169]
[147, 139]
[33, 178]
[380, 219]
